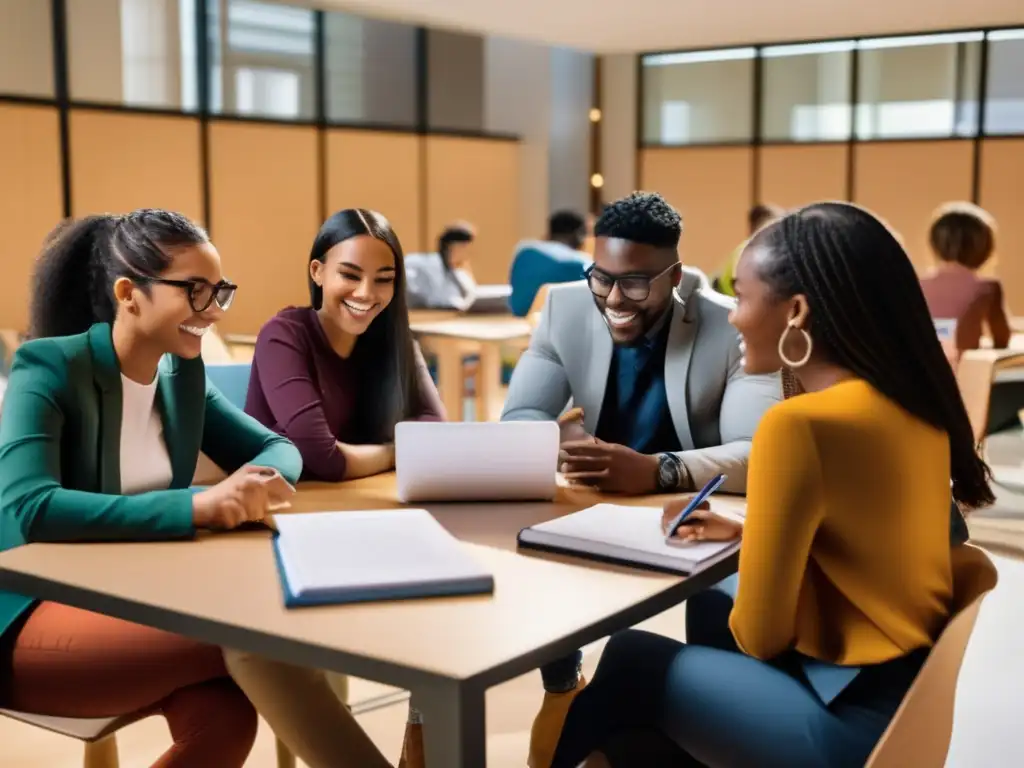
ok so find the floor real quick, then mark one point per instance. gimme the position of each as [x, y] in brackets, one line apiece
[990, 694]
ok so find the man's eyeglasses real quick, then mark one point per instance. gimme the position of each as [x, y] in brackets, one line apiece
[201, 293]
[633, 287]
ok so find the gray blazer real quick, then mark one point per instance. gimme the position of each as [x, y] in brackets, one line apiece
[715, 407]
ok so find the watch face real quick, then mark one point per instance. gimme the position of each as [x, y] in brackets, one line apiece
[668, 474]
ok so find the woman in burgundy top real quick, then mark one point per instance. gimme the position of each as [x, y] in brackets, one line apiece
[962, 237]
[336, 377]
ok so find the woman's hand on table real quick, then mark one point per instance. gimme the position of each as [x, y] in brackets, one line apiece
[246, 496]
[702, 524]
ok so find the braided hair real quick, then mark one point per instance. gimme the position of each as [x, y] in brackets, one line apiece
[869, 316]
[72, 287]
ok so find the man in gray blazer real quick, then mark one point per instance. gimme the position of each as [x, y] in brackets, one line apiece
[646, 350]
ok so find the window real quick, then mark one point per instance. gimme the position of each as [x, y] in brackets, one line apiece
[807, 92]
[262, 59]
[698, 97]
[921, 86]
[370, 70]
[140, 53]
[455, 82]
[26, 48]
[1004, 106]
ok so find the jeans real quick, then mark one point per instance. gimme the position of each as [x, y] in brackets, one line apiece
[657, 702]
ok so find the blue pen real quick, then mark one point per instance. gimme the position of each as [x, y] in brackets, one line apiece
[713, 485]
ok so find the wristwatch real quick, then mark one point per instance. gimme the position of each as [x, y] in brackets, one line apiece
[671, 473]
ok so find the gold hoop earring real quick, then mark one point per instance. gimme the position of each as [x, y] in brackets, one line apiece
[782, 343]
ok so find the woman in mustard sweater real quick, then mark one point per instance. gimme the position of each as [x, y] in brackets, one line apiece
[845, 576]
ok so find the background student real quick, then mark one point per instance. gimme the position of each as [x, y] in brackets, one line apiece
[825, 640]
[337, 376]
[759, 216]
[444, 280]
[558, 259]
[99, 440]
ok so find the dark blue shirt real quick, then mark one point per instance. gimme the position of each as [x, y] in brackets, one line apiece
[635, 410]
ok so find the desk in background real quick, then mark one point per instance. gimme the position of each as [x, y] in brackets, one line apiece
[224, 589]
[451, 341]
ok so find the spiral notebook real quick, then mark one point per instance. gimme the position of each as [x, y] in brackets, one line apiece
[625, 535]
[351, 557]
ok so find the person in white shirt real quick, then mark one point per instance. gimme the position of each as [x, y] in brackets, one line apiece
[443, 279]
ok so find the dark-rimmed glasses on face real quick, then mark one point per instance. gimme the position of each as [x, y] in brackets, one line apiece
[201, 293]
[635, 287]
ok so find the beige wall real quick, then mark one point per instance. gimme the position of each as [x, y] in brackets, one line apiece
[476, 180]
[618, 125]
[1002, 193]
[30, 200]
[710, 186]
[904, 182]
[265, 214]
[793, 175]
[379, 171]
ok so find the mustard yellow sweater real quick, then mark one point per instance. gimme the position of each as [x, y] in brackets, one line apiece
[846, 553]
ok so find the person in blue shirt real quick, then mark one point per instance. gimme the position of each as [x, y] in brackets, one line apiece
[559, 259]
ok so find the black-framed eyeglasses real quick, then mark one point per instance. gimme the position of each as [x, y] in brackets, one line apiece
[201, 293]
[635, 287]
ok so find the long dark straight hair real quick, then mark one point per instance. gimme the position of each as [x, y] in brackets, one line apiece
[868, 315]
[385, 355]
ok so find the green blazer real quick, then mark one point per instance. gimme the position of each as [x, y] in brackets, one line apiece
[60, 448]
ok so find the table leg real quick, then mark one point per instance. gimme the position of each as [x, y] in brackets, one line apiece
[454, 724]
[450, 382]
[488, 383]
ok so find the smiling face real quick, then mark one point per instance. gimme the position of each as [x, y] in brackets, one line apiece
[762, 317]
[358, 281]
[163, 314]
[632, 286]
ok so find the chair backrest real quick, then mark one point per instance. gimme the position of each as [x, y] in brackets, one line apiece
[920, 732]
[533, 316]
[232, 379]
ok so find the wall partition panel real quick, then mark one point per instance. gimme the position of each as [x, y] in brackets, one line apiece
[380, 171]
[904, 182]
[122, 161]
[1002, 194]
[710, 187]
[475, 180]
[265, 211]
[31, 200]
[795, 175]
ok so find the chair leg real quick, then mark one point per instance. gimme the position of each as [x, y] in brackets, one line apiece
[285, 758]
[102, 753]
[339, 684]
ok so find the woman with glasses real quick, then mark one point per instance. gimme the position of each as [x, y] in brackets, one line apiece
[107, 411]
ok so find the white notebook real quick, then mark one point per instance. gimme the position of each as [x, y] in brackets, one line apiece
[347, 557]
[628, 535]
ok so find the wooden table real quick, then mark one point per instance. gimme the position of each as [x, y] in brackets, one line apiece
[452, 340]
[224, 589]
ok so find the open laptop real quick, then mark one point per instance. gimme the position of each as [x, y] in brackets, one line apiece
[491, 300]
[476, 461]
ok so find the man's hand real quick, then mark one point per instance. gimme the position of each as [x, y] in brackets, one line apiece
[608, 467]
[571, 426]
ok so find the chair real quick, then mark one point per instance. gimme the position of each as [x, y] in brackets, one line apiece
[920, 732]
[232, 379]
[98, 734]
[975, 373]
